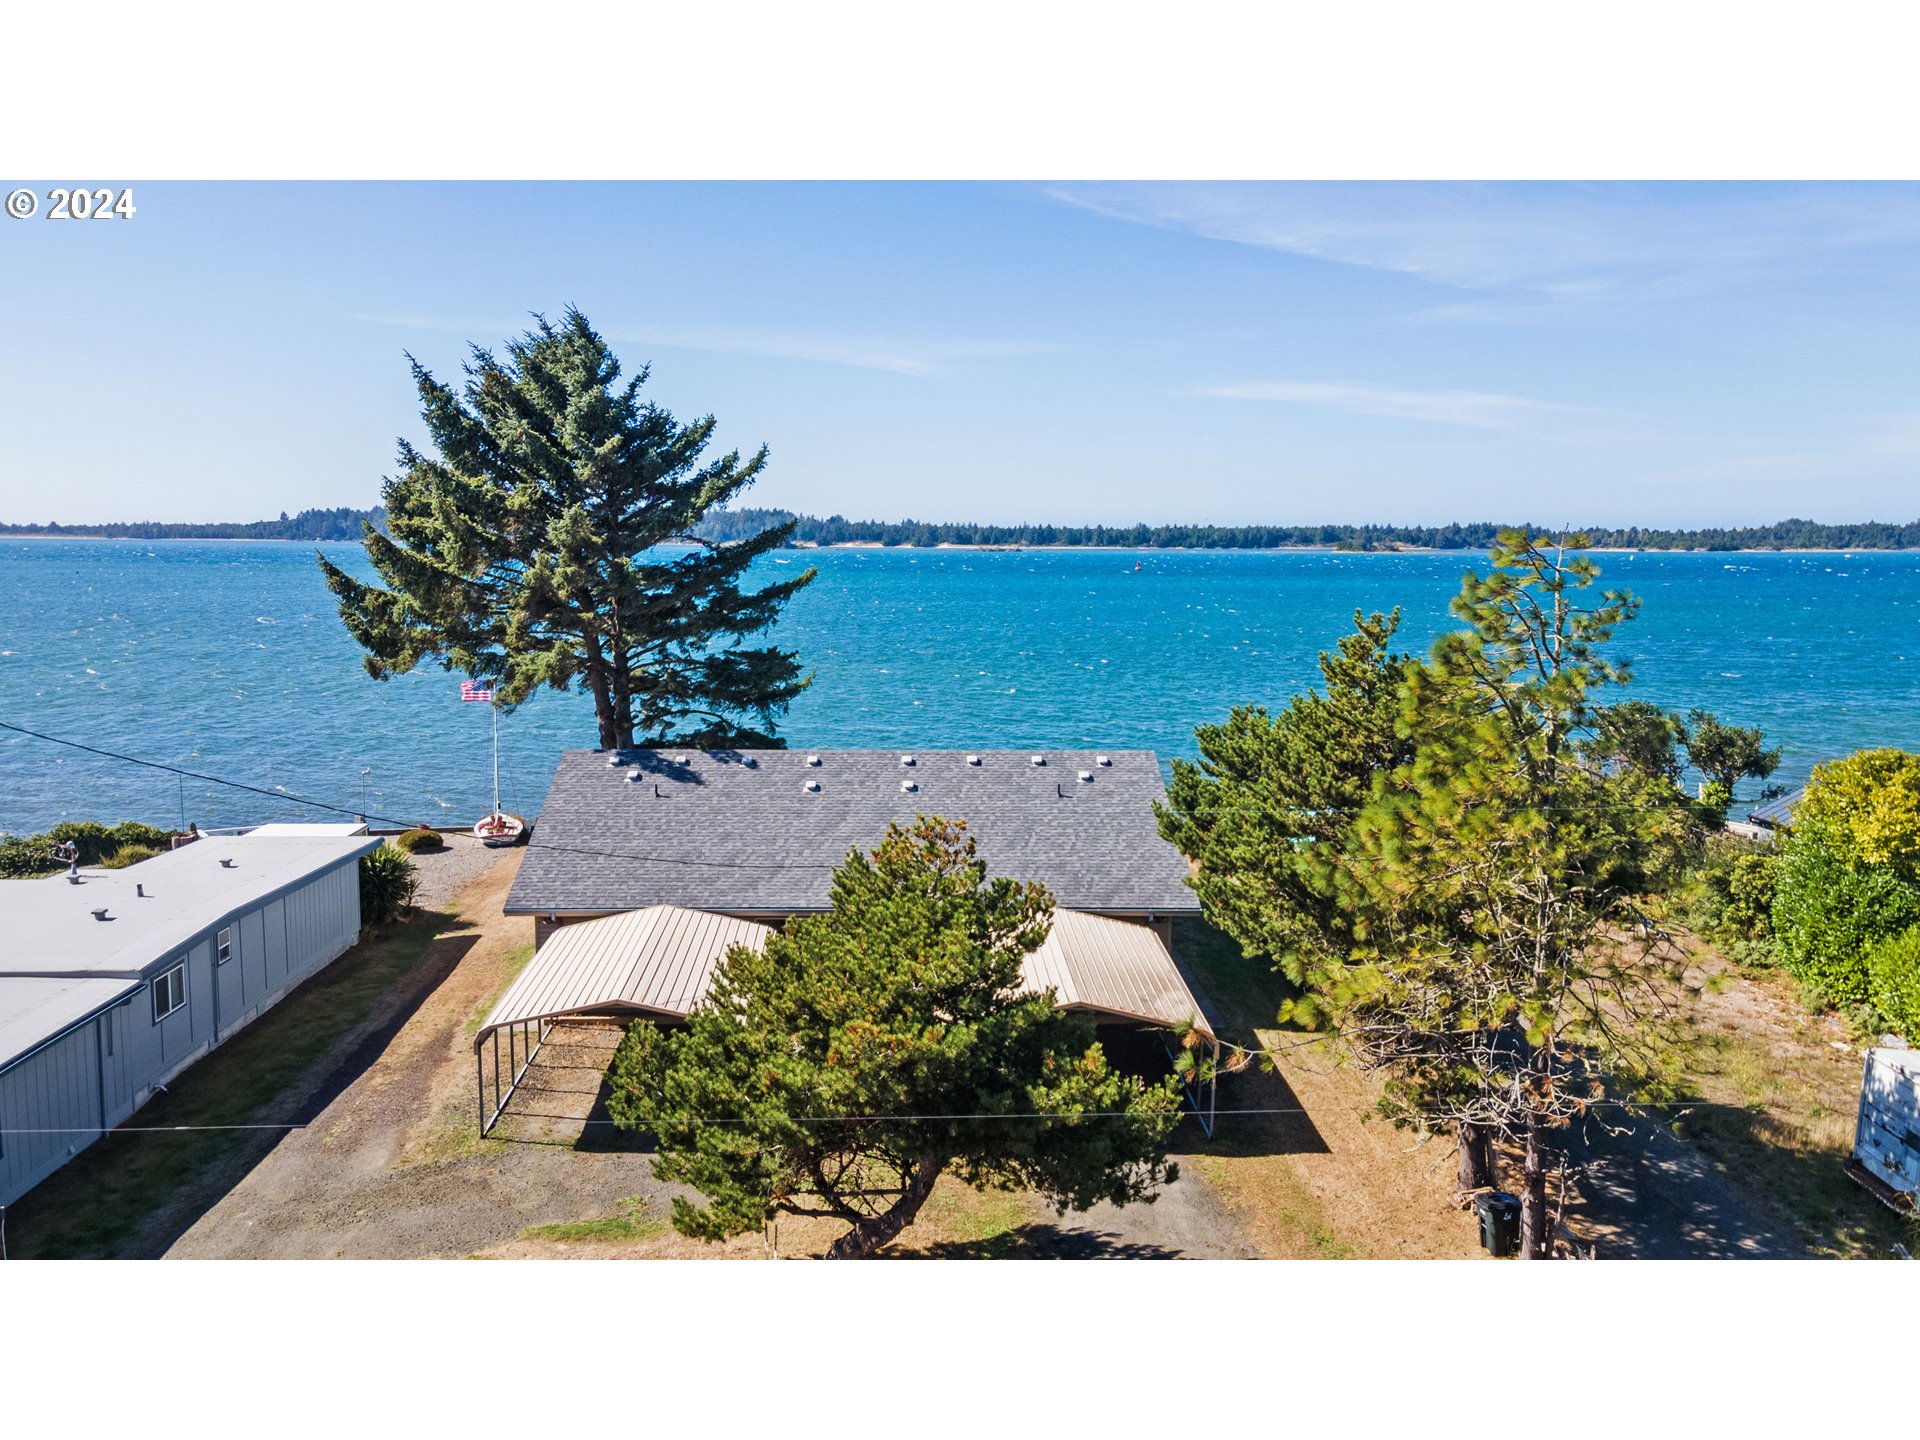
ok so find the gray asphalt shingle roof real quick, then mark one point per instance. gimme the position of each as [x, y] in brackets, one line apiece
[739, 831]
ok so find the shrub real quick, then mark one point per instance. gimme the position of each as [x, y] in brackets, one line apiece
[1870, 803]
[416, 840]
[24, 856]
[1728, 894]
[129, 855]
[1828, 912]
[1893, 981]
[387, 885]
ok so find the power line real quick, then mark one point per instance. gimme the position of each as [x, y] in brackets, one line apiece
[282, 795]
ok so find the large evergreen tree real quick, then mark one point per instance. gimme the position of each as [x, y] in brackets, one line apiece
[871, 1049]
[527, 551]
[1493, 966]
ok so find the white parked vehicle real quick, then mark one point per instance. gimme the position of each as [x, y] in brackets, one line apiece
[1886, 1139]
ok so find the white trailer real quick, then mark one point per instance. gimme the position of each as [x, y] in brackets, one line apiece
[1886, 1139]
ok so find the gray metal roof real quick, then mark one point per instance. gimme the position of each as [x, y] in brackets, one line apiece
[739, 831]
[1776, 813]
[35, 1009]
[47, 926]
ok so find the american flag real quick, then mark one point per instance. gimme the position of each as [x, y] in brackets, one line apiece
[474, 690]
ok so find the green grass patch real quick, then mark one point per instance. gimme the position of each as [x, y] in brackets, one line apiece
[1246, 991]
[514, 962]
[111, 1198]
[1767, 1118]
[628, 1225]
[1266, 1183]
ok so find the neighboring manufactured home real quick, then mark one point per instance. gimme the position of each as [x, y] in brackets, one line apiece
[109, 987]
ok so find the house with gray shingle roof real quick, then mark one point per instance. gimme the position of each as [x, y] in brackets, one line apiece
[758, 833]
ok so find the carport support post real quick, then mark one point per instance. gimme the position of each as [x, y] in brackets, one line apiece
[1213, 1090]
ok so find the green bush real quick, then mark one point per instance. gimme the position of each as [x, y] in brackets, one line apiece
[23, 856]
[1728, 893]
[1893, 980]
[129, 855]
[414, 841]
[387, 885]
[1828, 912]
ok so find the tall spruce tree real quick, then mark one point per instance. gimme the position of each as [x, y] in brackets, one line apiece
[526, 551]
[1499, 972]
[867, 1051]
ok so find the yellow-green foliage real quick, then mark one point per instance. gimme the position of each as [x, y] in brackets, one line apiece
[1871, 800]
[414, 841]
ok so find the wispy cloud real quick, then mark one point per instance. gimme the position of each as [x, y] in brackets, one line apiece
[922, 358]
[1478, 409]
[1553, 247]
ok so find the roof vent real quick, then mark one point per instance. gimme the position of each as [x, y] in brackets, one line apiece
[909, 786]
[226, 864]
[1039, 759]
[1102, 761]
[141, 891]
[906, 759]
[636, 777]
[813, 762]
[615, 760]
[813, 787]
[101, 914]
[1086, 777]
[973, 759]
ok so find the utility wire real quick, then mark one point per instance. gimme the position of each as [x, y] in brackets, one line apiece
[284, 795]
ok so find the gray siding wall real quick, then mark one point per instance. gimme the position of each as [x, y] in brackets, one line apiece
[49, 1111]
[123, 1053]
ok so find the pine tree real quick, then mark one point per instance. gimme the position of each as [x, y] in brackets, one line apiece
[1499, 973]
[527, 551]
[867, 1051]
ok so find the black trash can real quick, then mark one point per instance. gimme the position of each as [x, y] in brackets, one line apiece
[1499, 1223]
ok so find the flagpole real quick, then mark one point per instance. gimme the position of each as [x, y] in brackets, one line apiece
[494, 710]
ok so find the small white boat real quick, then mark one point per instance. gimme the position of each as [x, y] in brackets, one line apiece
[500, 829]
[496, 829]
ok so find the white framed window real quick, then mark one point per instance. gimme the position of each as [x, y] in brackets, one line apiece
[223, 946]
[169, 992]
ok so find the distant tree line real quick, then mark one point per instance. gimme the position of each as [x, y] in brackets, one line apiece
[343, 522]
[838, 530]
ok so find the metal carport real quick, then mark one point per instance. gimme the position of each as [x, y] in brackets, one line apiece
[657, 962]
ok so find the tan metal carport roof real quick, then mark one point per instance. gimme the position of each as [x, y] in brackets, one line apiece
[1116, 968]
[658, 961]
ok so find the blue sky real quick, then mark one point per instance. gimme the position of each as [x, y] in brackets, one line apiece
[1665, 354]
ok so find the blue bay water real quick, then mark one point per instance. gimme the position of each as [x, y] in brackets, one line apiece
[228, 658]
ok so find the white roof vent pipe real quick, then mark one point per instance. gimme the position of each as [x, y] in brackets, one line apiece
[1086, 777]
[813, 787]
[973, 759]
[906, 760]
[813, 762]
[908, 786]
[1102, 761]
[1039, 759]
